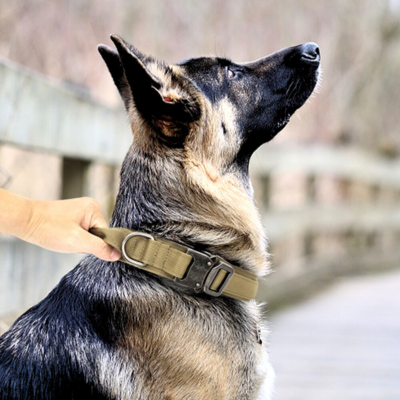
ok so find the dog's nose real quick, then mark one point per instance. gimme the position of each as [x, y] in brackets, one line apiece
[309, 52]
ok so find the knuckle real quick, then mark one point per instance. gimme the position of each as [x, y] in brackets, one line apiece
[103, 251]
[91, 204]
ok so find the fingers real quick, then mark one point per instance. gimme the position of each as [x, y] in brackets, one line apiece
[63, 226]
[98, 220]
[96, 246]
[89, 215]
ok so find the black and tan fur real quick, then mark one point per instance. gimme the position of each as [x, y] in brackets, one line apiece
[110, 331]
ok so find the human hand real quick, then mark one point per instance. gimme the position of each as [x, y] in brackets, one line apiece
[63, 226]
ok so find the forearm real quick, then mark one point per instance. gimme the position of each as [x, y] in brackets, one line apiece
[15, 214]
[60, 225]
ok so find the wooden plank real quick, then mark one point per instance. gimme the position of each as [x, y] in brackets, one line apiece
[38, 113]
[317, 219]
[28, 273]
[342, 344]
[320, 160]
[285, 287]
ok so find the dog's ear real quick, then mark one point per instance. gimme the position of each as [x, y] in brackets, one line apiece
[169, 104]
[113, 62]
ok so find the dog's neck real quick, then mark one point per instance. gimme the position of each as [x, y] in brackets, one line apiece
[181, 201]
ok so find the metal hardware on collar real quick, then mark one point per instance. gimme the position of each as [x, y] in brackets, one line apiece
[202, 272]
[197, 271]
[125, 241]
[222, 266]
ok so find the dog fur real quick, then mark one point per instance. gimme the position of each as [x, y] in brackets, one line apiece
[111, 331]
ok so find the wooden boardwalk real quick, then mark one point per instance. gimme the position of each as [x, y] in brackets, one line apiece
[342, 344]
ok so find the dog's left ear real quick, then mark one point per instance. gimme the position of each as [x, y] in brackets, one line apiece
[170, 105]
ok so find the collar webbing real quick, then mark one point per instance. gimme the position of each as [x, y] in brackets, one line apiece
[191, 269]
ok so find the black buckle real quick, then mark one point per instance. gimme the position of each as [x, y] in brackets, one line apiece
[202, 272]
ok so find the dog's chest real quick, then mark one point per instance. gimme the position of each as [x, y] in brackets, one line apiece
[196, 353]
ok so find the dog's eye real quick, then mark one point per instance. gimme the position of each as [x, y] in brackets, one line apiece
[230, 74]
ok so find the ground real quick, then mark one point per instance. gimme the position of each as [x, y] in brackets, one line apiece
[342, 344]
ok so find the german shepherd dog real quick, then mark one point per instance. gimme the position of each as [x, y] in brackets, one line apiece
[113, 331]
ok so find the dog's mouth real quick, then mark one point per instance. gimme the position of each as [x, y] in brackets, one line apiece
[297, 94]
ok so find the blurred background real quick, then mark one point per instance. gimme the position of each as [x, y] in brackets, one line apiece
[328, 187]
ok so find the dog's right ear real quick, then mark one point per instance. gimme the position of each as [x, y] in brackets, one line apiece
[114, 65]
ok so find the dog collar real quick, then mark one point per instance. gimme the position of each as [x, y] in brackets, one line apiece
[185, 266]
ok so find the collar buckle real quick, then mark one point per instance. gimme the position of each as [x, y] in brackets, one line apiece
[202, 272]
[221, 266]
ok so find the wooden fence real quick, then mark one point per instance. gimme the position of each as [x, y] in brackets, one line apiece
[327, 211]
[338, 214]
[39, 114]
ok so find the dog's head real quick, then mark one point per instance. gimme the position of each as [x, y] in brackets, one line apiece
[218, 110]
[195, 126]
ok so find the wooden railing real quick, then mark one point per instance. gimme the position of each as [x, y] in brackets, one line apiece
[38, 114]
[338, 213]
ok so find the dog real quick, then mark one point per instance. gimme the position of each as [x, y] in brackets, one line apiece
[116, 331]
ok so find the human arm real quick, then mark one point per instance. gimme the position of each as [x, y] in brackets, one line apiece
[60, 225]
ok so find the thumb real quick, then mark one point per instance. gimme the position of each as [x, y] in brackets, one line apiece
[101, 249]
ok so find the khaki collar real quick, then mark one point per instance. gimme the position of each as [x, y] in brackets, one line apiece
[186, 267]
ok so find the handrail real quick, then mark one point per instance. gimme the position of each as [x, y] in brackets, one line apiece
[341, 162]
[39, 113]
